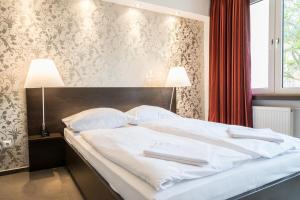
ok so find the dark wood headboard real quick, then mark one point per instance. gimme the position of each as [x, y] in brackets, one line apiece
[63, 102]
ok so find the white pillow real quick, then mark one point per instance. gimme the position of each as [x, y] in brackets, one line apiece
[146, 113]
[105, 118]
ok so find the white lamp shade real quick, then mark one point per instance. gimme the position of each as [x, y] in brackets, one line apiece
[43, 73]
[178, 77]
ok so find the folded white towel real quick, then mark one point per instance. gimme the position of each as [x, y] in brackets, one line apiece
[177, 153]
[257, 134]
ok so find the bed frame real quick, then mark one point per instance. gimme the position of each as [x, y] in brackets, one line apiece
[62, 102]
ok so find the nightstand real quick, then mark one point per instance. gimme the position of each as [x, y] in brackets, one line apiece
[46, 152]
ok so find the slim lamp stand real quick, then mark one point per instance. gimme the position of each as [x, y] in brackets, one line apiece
[172, 98]
[44, 131]
[43, 73]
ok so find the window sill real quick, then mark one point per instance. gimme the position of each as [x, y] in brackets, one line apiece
[281, 97]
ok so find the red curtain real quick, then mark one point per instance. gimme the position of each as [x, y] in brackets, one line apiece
[230, 96]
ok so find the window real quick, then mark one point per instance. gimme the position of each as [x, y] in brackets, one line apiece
[275, 46]
[260, 44]
[291, 44]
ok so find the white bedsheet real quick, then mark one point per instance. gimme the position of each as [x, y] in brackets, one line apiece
[216, 133]
[218, 187]
[125, 146]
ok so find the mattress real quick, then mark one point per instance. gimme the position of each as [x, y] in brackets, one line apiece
[224, 185]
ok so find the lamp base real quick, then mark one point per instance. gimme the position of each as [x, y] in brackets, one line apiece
[44, 132]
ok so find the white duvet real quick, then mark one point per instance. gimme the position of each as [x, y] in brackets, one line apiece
[125, 146]
[216, 133]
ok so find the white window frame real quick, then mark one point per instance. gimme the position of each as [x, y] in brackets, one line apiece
[275, 75]
[279, 89]
[271, 70]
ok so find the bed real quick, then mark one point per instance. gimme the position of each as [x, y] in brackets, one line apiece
[98, 178]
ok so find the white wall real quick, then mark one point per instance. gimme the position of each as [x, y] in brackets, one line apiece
[200, 7]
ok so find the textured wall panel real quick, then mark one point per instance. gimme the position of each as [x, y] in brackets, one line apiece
[93, 43]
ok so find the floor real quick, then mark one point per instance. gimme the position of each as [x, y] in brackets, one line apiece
[53, 184]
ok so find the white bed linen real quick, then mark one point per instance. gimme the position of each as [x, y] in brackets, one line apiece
[221, 186]
[216, 133]
[125, 146]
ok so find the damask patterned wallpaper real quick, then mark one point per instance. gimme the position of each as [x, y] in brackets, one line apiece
[93, 43]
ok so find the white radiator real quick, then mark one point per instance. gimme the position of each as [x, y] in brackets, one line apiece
[279, 119]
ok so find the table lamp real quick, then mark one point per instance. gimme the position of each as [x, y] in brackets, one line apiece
[177, 77]
[43, 73]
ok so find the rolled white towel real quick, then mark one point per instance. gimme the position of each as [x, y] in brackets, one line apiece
[257, 134]
[177, 153]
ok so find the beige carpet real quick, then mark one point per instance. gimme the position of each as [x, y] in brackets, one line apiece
[54, 184]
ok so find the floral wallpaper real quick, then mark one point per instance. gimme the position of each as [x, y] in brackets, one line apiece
[93, 44]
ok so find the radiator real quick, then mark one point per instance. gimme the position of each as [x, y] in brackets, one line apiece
[279, 119]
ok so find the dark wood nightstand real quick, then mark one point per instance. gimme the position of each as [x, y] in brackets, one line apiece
[46, 152]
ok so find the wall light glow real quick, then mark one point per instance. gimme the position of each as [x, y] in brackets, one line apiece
[26, 10]
[87, 5]
[86, 8]
[137, 5]
[133, 13]
[171, 21]
[134, 17]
